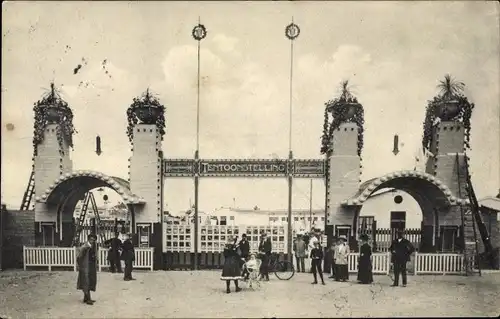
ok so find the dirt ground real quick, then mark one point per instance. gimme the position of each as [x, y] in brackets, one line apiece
[182, 294]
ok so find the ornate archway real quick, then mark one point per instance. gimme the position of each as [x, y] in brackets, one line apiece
[432, 195]
[66, 191]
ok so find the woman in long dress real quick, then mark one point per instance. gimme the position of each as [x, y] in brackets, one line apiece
[365, 274]
[231, 269]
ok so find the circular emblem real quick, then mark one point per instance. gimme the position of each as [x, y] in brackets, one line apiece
[199, 32]
[292, 31]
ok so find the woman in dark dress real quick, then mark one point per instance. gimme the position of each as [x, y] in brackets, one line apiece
[365, 274]
[231, 269]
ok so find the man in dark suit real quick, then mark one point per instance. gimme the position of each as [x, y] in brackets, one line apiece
[128, 255]
[265, 249]
[401, 250]
[244, 247]
[114, 245]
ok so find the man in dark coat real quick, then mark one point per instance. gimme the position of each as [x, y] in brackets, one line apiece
[401, 250]
[128, 255]
[244, 247]
[87, 269]
[265, 249]
[114, 245]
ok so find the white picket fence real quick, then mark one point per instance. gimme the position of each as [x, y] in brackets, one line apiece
[420, 264]
[439, 264]
[66, 257]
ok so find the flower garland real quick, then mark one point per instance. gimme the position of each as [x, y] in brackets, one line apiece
[145, 103]
[464, 116]
[341, 109]
[53, 109]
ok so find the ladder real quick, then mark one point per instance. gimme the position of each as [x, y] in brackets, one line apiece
[89, 199]
[470, 218]
[28, 194]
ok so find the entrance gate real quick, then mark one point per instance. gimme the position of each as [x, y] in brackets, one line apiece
[247, 168]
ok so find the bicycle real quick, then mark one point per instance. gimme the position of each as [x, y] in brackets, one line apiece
[283, 270]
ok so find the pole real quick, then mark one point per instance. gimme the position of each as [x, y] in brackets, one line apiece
[292, 31]
[310, 203]
[199, 33]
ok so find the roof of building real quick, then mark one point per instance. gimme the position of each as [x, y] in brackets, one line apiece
[490, 202]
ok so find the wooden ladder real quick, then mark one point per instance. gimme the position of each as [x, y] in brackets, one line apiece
[89, 199]
[471, 217]
[28, 194]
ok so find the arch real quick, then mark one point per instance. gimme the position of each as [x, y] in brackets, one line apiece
[431, 194]
[83, 181]
[412, 182]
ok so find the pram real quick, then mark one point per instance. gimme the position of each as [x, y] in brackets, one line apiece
[252, 266]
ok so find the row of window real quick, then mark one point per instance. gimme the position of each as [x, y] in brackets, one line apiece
[295, 219]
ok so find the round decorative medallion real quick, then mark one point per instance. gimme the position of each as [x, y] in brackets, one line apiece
[199, 32]
[292, 31]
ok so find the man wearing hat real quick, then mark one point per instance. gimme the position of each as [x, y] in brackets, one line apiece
[401, 250]
[265, 249]
[114, 245]
[87, 269]
[342, 259]
[128, 255]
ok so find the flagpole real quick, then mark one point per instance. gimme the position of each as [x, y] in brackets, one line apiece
[199, 33]
[292, 31]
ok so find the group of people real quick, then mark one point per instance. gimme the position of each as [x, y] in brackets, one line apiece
[337, 256]
[118, 249]
[237, 254]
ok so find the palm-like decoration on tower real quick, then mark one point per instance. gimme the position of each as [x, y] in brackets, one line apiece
[52, 109]
[450, 104]
[343, 109]
[145, 109]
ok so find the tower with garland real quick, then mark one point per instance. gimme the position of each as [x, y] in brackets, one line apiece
[146, 128]
[52, 140]
[446, 138]
[342, 143]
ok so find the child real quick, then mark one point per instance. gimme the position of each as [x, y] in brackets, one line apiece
[331, 258]
[316, 260]
[252, 267]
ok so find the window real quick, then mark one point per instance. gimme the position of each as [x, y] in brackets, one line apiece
[283, 219]
[231, 217]
[322, 219]
[48, 234]
[315, 219]
[343, 230]
[296, 219]
[398, 220]
[448, 237]
[365, 224]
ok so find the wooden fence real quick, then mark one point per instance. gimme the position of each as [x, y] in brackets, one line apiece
[65, 257]
[439, 264]
[180, 238]
[385, 236]
[107, 229]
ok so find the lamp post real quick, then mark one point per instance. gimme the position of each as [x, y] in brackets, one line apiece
[199, 33]
[292, 31]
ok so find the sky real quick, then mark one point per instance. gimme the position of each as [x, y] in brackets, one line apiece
[393, 53]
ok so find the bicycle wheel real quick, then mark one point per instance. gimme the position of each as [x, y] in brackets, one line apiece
[284, 270]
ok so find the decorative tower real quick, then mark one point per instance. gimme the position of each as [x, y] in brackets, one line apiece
[52, 139]
[446, 137]
[146, 127]
[342, 143]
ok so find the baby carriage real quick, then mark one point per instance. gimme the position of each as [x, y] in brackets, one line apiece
[252, 266]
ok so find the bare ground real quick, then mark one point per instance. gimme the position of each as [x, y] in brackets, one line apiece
[183, 294]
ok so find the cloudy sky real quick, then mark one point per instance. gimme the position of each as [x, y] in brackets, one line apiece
[393, 53]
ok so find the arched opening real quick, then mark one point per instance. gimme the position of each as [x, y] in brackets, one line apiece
[62, 197]
[432, 196]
